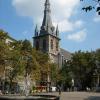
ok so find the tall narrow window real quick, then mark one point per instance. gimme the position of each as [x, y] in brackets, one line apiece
[57, 45]
[51, 44]
[44, 44]
[37, 45]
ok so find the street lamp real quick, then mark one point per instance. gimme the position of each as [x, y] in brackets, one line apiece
[97, 71]
[62, 60]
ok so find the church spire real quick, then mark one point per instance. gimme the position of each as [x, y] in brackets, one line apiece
[47, 22]
[47, 2]
[36, 31]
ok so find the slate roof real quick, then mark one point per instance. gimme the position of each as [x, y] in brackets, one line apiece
[66, 54]
[8, 37]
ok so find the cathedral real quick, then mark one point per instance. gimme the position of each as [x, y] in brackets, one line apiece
[47, 39]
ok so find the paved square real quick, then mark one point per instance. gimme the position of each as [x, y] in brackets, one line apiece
[78, 95]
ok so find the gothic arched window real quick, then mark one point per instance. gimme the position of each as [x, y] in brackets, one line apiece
[44, 44]
[37, 45]
[51, 44]
[57, 45]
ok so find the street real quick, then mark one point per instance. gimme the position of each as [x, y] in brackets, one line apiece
[78, 95]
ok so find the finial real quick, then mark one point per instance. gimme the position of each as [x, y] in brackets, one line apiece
[47, 2]
[36, 30]
[57, 31]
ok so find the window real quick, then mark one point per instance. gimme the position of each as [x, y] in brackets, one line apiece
[44, 44]
[57, 46]
[37, 45]
[51, 44]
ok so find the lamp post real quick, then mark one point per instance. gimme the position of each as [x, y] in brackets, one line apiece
[97, 71]
[72, 84]
[62, 60]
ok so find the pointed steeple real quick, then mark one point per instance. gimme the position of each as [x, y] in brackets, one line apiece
[47, 2]
[57, 31]
[36, 31]
[47, 22]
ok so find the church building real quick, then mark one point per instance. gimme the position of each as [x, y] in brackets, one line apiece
[47, 39]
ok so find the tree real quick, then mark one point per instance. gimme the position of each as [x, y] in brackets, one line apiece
[43, 60]
[29, 65]
[66, 75]
[3, 46]
[13, 62]
[4, 50]
[83, 66]
[23, 61]
[97, 53]
[54, 73]
[96, 6]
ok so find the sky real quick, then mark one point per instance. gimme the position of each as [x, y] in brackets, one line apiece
[78, 30]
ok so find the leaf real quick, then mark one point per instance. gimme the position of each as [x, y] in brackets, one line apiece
[88, 8]
[98, 9]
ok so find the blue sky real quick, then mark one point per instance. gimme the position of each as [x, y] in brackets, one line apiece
[78, 30]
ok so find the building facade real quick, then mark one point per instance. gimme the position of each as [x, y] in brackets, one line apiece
[47, 38]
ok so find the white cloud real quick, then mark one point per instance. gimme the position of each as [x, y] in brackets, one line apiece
[97, 18]
[62, 10]
[66, 25]
[78, 37]
[78, 23]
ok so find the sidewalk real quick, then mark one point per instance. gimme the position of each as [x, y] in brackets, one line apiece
[77, 95]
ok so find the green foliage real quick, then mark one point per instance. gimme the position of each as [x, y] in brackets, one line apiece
[91, 7]
[66, 74]
[22, 59]
[81, 67]
[54, 73]
[3, 35]
[26, 46]
[98, 54]
[4, 50]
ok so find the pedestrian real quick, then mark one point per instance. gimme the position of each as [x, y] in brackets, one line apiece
[59, 90]
[0, 92]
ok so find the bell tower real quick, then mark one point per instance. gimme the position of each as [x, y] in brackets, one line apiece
[47, 38]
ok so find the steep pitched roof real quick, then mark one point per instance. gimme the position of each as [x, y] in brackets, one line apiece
[12, 39]
[47, 22]
[7, 35]
[66, 54]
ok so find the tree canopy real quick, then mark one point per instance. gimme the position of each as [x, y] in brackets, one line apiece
[81, 68]
[19, 58]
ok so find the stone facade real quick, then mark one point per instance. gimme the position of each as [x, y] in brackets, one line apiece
[47, 38]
